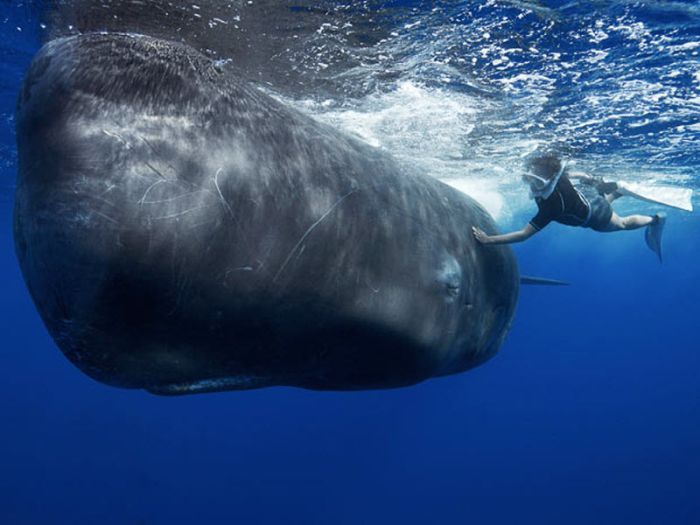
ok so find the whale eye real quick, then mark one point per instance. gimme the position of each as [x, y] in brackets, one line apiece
[449, 278]
[452, 289]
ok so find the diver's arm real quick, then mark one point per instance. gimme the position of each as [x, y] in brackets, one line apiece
[600, 184]
[579, 175]
[506, 238]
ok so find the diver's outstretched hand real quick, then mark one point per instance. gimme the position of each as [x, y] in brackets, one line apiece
[480, 235]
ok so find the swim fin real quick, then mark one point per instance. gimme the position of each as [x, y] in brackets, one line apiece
[653, 234]
[673, 196]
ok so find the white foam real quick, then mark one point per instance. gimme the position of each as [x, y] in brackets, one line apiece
[410, 121]
[426, 129]
[484, 192]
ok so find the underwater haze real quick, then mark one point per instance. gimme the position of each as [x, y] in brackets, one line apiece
[590, 412]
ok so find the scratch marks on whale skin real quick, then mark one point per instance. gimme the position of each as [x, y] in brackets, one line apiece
[148, 190]
[118, 137]
[221, 196]
[157, 153]
[153, 168]
[308, 232]
[105, 216]
[171, 199]
[180, 213]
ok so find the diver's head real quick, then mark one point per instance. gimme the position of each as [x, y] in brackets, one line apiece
[540, 169]
[545, 166]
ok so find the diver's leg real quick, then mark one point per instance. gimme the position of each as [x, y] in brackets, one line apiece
[612, 197]
[655, 227]
[630, 222]
[609, 190]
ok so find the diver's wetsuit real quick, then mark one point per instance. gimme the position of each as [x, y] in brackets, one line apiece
[584, 206]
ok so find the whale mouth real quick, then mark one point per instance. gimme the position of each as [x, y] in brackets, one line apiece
[208, 385]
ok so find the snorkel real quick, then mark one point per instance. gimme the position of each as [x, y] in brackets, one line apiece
[541, 187]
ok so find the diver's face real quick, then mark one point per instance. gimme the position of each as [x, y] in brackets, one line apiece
[545, 168]
[527, 180]
[534, 182]
[540, 171]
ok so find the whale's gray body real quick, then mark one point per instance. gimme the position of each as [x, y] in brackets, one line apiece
[180, 231]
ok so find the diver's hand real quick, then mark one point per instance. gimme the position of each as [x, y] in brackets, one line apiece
[480, 235]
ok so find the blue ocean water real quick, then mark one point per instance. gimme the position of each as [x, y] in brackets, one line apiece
[589, 413]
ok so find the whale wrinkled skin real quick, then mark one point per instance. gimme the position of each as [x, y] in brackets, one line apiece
[181, 231]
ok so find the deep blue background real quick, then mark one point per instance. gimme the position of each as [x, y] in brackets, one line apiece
[590, 413]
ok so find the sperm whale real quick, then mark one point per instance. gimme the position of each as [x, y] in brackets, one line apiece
[181, 231]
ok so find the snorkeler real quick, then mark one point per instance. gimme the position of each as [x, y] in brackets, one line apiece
[587, 204]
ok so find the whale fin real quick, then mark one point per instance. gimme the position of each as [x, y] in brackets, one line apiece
[524, 279]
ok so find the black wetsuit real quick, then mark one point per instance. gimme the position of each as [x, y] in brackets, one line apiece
[584, 206]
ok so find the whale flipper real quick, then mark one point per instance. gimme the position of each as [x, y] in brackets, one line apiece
[526, 280]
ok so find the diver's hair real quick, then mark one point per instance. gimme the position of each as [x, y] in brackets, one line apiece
[545, 165]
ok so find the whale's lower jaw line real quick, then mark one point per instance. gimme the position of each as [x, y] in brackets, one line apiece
[245, 382]
[209, 385]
